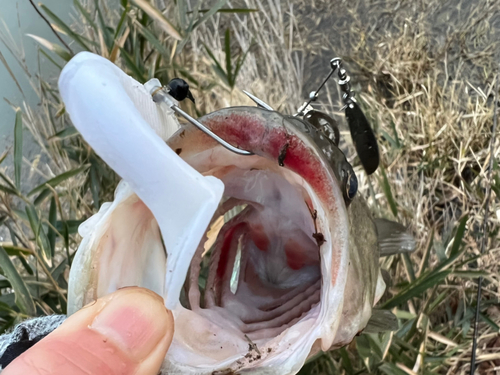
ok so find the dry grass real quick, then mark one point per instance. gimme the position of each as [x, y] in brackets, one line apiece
[425, 71]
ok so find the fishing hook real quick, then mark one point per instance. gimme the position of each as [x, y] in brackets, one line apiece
[260, 103]
[160, 95]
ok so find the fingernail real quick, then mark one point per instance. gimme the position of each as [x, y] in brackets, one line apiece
[135, 321]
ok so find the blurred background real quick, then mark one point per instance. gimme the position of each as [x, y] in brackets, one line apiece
[19, 19]
[424, 73]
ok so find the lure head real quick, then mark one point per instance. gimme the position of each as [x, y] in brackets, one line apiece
[179, 90]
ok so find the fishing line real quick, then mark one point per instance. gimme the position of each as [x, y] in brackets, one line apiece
[485, 226]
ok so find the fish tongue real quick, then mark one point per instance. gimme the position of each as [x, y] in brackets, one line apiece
[181, 199]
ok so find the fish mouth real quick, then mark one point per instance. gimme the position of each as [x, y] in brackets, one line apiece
[265, 286]
[270, 269]
[272, 273]
[263, 268]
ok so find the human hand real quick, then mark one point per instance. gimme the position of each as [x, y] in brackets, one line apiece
[127, 332]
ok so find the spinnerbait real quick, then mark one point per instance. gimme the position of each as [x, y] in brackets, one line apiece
[362, 134]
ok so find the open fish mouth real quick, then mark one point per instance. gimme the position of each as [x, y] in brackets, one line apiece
[285, 267]
[275, 269]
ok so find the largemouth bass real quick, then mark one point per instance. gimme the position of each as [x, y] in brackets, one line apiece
[283, 260]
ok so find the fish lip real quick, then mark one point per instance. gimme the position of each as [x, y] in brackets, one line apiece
[254, 137]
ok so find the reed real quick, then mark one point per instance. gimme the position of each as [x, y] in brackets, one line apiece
[424, 72]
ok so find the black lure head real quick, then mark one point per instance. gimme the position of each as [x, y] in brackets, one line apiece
[179, 90]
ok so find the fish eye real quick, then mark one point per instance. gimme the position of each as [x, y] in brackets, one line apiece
[351, 184]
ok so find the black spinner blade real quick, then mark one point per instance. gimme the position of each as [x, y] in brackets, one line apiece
[363, 137]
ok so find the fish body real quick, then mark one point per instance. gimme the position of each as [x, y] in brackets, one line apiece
[286, 265]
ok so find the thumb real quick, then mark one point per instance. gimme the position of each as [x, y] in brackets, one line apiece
[127, 332]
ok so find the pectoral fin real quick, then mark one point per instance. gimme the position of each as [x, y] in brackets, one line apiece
[393, 238]
[381, 321]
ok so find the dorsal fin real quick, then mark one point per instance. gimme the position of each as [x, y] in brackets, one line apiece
[393, 238]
